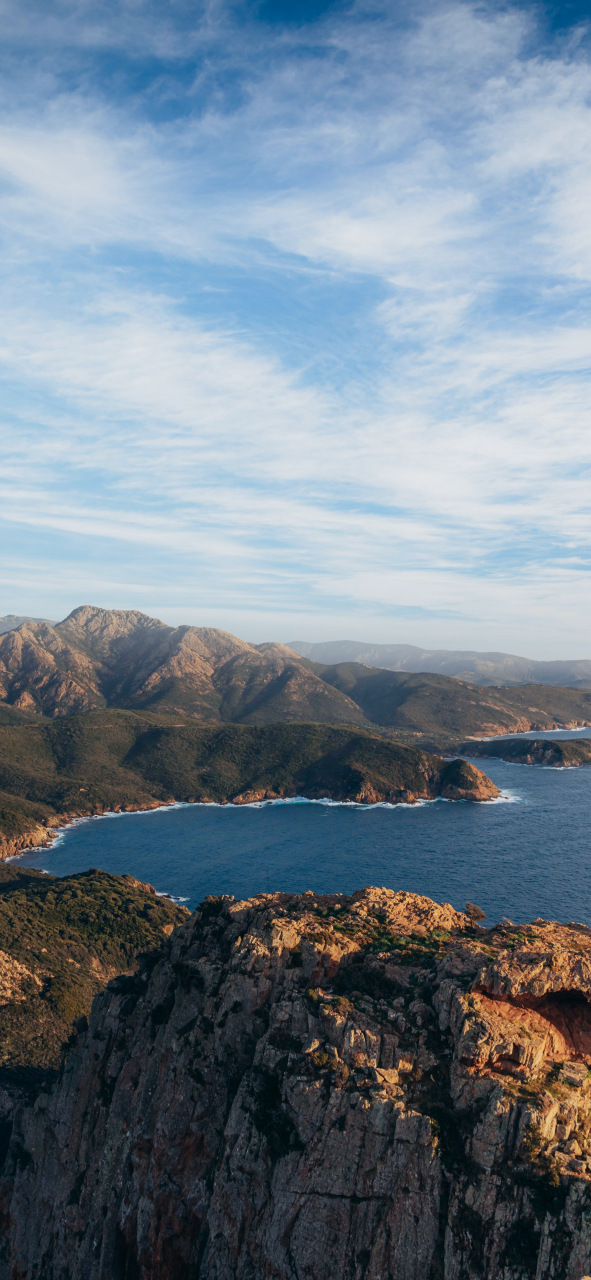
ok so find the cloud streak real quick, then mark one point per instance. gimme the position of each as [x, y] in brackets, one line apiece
[297, 321]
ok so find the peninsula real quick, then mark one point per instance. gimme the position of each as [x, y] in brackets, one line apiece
[54, 770]
[566, 753]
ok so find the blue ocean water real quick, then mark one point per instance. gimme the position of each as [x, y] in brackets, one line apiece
[527, 855]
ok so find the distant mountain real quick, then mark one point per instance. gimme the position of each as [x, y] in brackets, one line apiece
[97, 659]
[464, 664]
[13, 620]
[438, 709]
[100, 658]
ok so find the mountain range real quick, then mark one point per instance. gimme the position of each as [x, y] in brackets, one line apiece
[464, 664]
[494, 668]
[11, 621]
[97, 659]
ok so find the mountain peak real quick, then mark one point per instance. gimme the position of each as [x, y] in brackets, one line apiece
[90, 617]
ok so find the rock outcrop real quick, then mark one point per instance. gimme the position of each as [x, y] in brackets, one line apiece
[367, 1086]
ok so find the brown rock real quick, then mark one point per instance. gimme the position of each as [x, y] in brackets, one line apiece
[246, 1110]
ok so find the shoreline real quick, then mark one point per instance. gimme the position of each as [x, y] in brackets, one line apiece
[44, 835]
[54, 833]
[44, 831]
[520, 733]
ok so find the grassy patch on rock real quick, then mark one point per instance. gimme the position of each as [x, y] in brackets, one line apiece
[61, 940]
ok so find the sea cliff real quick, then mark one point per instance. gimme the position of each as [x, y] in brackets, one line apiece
[359, 1086]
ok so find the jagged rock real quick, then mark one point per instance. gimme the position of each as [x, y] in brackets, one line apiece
[247, 1107]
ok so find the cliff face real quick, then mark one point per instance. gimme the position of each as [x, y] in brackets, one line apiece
[356, 1087]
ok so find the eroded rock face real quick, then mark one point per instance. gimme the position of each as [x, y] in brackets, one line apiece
[363, 1087]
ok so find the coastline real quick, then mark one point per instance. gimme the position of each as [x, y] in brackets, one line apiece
[45, 830]
[53, 833]
[44, 835]
[571, 727]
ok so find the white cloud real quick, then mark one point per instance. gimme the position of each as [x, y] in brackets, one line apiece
[437, 177]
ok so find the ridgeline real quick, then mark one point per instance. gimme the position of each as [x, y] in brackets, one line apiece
[98, 658]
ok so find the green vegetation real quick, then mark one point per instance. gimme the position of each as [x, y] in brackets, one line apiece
[61, 940]
[567, 753]
[438, 710]
[97, 659]
[123, 759]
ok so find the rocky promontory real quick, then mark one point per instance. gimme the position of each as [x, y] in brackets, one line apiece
[564, 753]
[301, 1086]
[79, 765]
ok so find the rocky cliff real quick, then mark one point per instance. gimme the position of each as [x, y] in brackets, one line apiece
[364, 1087]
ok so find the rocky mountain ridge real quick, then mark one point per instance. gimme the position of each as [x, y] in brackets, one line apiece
[359, 1086]
[96, 659]
[471, 665]
[11, 621]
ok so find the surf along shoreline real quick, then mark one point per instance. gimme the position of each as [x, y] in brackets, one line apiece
[45, 836]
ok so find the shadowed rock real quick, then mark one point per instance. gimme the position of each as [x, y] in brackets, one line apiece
[358, 1086]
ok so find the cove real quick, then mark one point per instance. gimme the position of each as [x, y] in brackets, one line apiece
[525, 856]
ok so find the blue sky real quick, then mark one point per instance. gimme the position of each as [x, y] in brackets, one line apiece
[295, 337]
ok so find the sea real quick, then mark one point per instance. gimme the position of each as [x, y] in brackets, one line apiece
[525, 855]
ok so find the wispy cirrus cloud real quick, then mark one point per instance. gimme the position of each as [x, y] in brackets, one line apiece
[297, 320]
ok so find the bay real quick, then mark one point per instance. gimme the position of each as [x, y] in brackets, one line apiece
[527, 855]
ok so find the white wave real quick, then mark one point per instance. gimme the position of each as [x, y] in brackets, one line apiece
[133, 813]
[509, 797]
[506, 797]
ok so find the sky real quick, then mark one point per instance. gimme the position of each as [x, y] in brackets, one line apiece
[295, 337]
